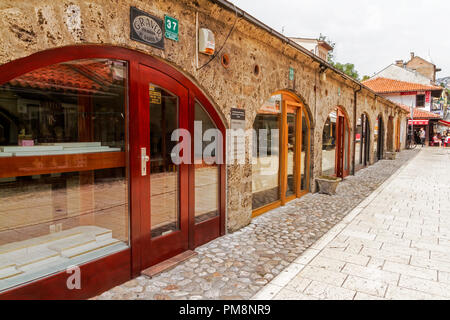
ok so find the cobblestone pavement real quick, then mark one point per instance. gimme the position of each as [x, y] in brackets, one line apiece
[393, 245]
[238, 265]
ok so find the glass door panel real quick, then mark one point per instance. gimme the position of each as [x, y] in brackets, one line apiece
[266, 160]
[164, 174]
[305, 154]
[329, 145]
[207, 171]
[163, 193]
[291, 154]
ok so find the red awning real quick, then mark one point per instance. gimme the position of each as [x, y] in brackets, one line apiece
[444, 123]
[418, 122]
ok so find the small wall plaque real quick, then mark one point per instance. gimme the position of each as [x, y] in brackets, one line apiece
[146, 28]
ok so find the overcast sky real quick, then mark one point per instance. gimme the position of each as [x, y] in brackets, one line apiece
[370, 34]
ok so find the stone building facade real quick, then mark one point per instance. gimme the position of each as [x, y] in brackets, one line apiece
[259, 65]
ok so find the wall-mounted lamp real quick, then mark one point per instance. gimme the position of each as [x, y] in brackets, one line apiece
[322, 72]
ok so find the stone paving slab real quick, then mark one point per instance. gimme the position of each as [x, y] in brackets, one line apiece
[238, 265]
[394, 246]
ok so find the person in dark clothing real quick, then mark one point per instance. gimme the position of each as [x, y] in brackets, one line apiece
[422, 136]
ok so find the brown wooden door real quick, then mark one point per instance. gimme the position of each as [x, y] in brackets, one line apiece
[342, 146]
[164, 186]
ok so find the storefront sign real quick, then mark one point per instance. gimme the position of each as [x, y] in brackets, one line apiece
[171, 27]
[428, 97]
[155, 96]
[237, 119]
[411, 93]
[146, 28]
[418, 122]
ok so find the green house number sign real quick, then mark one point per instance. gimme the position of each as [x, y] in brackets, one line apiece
[171, 28]
[291, 73]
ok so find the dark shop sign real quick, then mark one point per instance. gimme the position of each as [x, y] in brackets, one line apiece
[146, 28]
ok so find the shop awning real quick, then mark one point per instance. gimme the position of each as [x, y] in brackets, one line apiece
[444, 123]
[418, 122]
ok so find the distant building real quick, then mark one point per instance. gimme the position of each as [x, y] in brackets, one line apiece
[423, 67]
[398, 71]
[410, 94]
[319, 47]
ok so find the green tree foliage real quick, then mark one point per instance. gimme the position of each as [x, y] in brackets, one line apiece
[347, 68]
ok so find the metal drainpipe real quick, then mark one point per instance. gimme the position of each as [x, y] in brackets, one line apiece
[355, 95]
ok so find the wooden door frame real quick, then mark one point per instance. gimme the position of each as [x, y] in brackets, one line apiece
[112, 270]
[397, 135]
[175, 242]
[284, 150]
[291, 99]
[340, 143]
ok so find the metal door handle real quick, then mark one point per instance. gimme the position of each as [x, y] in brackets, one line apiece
[144, 159]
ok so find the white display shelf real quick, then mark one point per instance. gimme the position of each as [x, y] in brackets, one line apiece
[14, 149]
[48, 149]
[43, 253]
[74, 144]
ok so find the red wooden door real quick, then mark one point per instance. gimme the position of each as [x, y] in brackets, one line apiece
[342, 167]
[164, 185]
[340, 146]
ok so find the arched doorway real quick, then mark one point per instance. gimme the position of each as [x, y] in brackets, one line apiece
[398, 135]
[281, 144]
[390, 134]
[362, 142]
[379, 138]
[93, 158]
[336, 144]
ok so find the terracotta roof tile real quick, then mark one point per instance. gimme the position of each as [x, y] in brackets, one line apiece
[63, 77]
[384, 85]
[420, 114]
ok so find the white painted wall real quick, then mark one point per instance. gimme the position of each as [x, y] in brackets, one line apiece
[397, 73]
[407, 101]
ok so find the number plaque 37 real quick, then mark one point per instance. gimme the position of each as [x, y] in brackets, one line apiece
[171, 28]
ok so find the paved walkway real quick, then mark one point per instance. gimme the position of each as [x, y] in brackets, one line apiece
[393, 245]
[238, 265]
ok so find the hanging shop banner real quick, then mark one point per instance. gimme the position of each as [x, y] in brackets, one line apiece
[428, 97]
[418, 122]
[146, 28]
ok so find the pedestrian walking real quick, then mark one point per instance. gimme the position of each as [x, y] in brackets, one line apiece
[422, 136]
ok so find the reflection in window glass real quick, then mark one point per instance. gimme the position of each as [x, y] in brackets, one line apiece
[305, 153]
[375, 138]
[359, 140]
[164, 174]
[52, 119]
[291, 146]
[329, 145]
[206, 175]
[346, 146]
[265, 165]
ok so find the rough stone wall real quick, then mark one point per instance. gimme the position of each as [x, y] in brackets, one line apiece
[31, 26]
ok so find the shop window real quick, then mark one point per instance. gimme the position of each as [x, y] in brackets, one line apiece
[63, 177]
[420, 101]
[207, 172]
[266, 158]
[305, 153]
[329, 145]
[359, 140]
